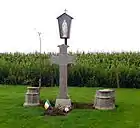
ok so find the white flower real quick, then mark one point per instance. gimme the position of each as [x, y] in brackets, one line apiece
[66, 109]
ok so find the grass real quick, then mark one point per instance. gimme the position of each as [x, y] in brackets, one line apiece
[14, 115]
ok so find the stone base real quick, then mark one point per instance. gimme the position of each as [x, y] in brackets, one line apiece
[103, 108]
[32, 97]
[62, 102]
[30, 105]
[105, 99]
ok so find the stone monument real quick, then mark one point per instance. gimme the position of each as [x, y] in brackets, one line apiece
[104, 99]
[32, 97]
[63, 59]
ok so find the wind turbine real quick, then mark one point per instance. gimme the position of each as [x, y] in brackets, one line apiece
[40, 42]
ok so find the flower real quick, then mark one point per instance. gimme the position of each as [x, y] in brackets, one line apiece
[66, 109]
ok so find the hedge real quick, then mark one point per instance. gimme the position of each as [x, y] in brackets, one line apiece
[91, 70]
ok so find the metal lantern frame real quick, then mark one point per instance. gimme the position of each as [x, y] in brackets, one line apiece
[64, 23]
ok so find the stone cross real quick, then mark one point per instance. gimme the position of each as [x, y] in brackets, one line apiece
[63, 59]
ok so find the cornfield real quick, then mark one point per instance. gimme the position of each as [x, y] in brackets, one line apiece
[91, 70]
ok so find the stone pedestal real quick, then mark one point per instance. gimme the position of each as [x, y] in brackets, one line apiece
[63, 102]
[32, 97]
[104, 99]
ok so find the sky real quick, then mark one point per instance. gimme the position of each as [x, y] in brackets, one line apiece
[98, 25]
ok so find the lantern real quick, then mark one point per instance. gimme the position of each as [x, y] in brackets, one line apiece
[64, 23]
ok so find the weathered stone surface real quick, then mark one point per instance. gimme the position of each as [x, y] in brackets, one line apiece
[63, 59]
[63, 91]
[62, 102]
[105, 99]
[32, 97]
[63, 48]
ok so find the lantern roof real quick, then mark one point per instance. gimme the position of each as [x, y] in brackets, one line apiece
[64, 14]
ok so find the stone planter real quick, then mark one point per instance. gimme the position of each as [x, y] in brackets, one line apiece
[32, 97]
[104, 99]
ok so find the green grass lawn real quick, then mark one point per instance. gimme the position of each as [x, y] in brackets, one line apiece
[14, 115]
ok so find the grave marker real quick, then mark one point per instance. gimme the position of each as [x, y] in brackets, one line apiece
[63, 59]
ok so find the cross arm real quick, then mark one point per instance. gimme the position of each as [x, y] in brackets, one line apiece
[54, 60]
[72, 59]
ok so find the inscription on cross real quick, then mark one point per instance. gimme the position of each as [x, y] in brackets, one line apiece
[63, 59]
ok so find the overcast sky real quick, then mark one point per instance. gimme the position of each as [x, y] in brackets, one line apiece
[98, 25]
